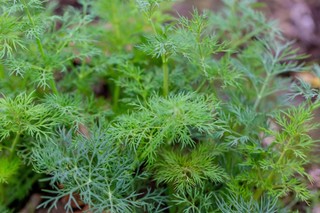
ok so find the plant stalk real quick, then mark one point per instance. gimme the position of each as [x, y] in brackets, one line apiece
[173, 208]
[40, 46]
[14, 143]
[153, 26]
[262, 91]
[201, 85]
[53, 86]
[116, 95]
[165, 76]
[259, 192]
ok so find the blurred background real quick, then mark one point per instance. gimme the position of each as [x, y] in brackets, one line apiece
[298, 19]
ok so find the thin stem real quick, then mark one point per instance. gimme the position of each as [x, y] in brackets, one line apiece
[259, 192]
[110, 199]
[116, 95]
[33, 25]
[165, 76]
[199, 44]
[4, 147]
[246, 37]
[15, 141]
[40, 46]
[262, 91]
[201, 85]
[173, 207]
[53, 87]
[152, 25]
[165, 68]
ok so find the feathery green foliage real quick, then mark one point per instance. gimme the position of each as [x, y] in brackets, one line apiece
[8, 168]
[93, 167]
[235, 204]
[124, 107]
[164, 121]
[185, 171]
[21, 116]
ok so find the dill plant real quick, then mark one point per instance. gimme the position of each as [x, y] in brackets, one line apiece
[189, 102]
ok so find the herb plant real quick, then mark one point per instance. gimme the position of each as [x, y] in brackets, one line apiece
[125, 108]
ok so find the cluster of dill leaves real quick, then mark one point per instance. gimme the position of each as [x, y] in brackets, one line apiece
[187, 106]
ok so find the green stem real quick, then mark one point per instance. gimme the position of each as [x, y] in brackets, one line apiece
[174, 207]
[152, 25]
[110, 199]
[246, 38]
[269, 179]
[53, 86]
[201, 85]
[40, 46]
[260, 191]
[15, 141]
[165, 76]
[262, 91]
[116, 95]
